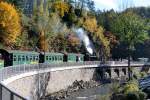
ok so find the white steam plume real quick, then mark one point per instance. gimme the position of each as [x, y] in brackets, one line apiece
[83, 37]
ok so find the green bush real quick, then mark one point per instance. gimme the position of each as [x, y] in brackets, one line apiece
[129, 91]
[132, 86]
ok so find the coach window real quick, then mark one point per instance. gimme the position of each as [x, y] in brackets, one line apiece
[27, 58]
[34, 58]
[23, 58]
[60, 58]
[19, 58]
[14, 58]
[50, 58]
[46, 57]
[37, 58]
[55, 58]
[80, 58]
[30, 58]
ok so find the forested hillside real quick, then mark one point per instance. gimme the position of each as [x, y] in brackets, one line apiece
[55, 26]
[111, 22]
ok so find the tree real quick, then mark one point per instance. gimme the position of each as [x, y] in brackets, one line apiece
[40, 23]
[142, 50]
[131, 30]
[102, 44]
[73, 43]
[61, 7]
[90, 24]
[79, 7]
[17, 3]
[111, 37]
[91, 6]
[10, 26]
[70, 18]
[105, 18]
[47, 25]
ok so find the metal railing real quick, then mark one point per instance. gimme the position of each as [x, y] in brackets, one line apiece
[12, 71]
[7, 94]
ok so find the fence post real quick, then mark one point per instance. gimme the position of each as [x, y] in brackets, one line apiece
[11, 96]
[1, 92]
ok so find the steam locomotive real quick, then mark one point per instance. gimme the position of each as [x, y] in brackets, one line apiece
[17, 57]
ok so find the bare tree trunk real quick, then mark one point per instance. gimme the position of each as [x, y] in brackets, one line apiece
[129, 65]
[82, 5]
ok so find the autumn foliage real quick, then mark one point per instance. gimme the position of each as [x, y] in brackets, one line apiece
[10, 26]
[90, 24]
[97, 32]
[111, 37]
[73, 40]
[61, 7]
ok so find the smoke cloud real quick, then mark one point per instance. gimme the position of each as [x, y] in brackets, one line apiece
[84, 37]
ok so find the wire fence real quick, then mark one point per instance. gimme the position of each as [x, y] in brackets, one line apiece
[7, 94]
[10, 71]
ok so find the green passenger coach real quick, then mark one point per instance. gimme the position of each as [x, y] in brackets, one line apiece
[24, 57]
[51, 57]
[15, 57]
[73, 57]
